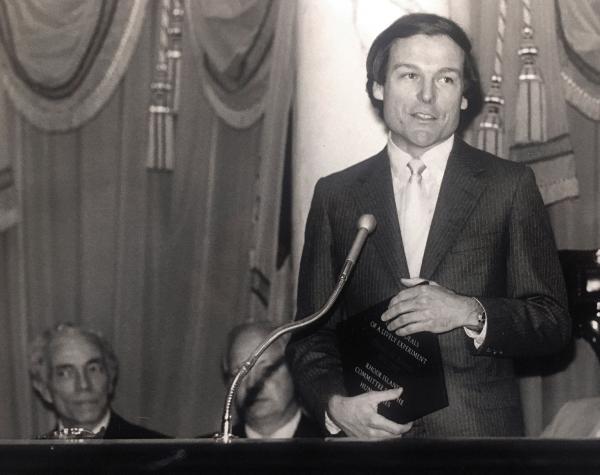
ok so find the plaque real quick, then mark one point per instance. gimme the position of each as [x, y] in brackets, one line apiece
[374, 358]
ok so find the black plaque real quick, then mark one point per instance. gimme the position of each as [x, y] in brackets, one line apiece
[377, 359]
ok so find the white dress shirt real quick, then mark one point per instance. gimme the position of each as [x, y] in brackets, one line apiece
[102, 425]
[435, 161]
[286, 431]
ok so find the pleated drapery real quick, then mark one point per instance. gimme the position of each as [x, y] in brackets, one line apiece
[65, 59]
[158, 262]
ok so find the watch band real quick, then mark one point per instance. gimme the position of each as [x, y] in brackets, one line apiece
[482, 315]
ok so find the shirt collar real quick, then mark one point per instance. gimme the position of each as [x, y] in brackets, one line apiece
[435, 158]
[286, 431]
[102, 425]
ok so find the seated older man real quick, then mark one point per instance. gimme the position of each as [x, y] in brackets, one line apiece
[266, 400]
[74, 371]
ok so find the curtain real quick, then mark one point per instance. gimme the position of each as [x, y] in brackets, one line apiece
[158, 261]
[43, 281]
[547, 383]
[247, 72]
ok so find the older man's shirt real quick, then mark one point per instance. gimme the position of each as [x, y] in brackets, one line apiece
[97, 429]
[286, 431]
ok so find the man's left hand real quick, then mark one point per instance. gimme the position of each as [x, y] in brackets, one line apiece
[428, 308]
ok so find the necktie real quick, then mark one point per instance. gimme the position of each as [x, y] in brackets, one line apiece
[414, 223]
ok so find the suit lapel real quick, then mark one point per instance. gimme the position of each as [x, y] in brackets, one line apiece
[460, 191]
[375, 195]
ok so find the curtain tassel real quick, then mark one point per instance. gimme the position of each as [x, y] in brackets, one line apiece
[166, 88]
[530, 125]
[175, 35]
[161, 140]
[491, 129]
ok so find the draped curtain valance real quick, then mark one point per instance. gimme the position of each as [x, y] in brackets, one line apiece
[62, 60]
[232, 43]
[578, 27]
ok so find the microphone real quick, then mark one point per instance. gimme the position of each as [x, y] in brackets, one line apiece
[366, 225]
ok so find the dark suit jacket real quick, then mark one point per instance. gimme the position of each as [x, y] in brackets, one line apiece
[490, 238]
[119, 428]
[307, 427]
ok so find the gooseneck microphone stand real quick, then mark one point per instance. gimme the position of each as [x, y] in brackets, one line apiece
[366, 224]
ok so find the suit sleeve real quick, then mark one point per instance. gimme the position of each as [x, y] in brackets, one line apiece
[533, 319]
[313, 354]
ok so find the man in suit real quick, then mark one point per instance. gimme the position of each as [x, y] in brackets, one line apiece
[74, 372]
[266, 399]
[471, 224]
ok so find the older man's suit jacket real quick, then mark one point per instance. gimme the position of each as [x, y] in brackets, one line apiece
[119, 428]
[490, 238]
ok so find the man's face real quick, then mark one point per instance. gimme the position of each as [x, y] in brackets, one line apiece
[423, 91]
[78, 383]
[268, 390]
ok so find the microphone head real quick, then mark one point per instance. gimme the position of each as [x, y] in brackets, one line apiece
[368, 222]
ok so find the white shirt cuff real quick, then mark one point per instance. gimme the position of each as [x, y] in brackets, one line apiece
[478, 337]
[331, 426]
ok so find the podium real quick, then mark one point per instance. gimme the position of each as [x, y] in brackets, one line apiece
[304, 456]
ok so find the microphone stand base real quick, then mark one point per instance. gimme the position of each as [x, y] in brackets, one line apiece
[224, 438]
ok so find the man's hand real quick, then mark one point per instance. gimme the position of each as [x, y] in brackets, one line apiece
[357, 415]
[429, 308]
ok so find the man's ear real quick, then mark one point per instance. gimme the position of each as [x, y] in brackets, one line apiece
[44, 392]
[464, 103]
[378, 91]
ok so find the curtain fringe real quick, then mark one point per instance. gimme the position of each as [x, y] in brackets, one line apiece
[579, 98]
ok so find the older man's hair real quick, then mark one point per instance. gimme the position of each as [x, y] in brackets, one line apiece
[262, 327]
[39, 352]
[426, 24]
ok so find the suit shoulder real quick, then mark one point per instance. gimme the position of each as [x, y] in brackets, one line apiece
[120, 428]
[494, 164]
[352, 173]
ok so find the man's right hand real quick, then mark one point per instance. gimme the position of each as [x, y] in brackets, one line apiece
[357, 415]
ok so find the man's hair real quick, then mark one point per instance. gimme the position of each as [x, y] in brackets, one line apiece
[39, 352]
[430, 25]
[261, 327]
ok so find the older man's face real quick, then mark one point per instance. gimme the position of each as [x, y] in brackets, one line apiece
[268, 390]
[78, 383]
